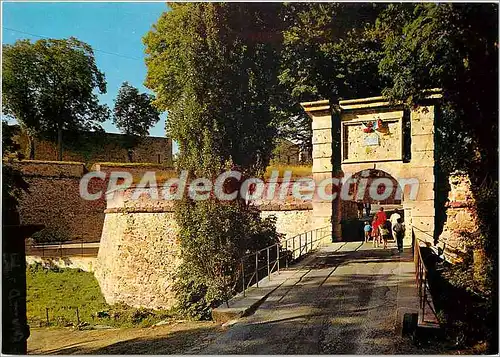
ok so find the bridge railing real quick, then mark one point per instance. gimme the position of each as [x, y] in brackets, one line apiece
[62, 249]
[422, 279]
[264, 262]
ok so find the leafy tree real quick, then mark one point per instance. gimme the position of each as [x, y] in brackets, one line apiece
[48, 86]
[213, 67]
[133, 113]
[329, 52]
[9, 146]
[454, 47]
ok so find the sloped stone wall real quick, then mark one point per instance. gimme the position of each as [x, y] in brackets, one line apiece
[461, 217]
[139, 252]
[138, 258]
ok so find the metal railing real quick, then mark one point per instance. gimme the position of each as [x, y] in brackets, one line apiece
[262, 263]
[421, 275]
[62, 249]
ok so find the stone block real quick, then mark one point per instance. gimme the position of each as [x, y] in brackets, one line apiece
[422, 158]
[320, 176]
[322, 136]
[425, 192]
[322, 150]
[422, 127]
[322, 122]
[422, 143]
[424, 209]
[425, 224]
[422, 112]
[322, 165]
[422, 174]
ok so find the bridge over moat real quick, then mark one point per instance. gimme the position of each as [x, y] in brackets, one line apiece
[346, 298]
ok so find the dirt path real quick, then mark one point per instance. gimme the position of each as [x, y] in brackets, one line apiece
[177, 338]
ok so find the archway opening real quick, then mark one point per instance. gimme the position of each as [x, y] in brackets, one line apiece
[368, 191]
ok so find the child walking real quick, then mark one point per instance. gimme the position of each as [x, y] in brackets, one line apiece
[384, 232]
[367, 230]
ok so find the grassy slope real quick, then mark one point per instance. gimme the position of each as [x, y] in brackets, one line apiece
[65, 289]
[62, 291]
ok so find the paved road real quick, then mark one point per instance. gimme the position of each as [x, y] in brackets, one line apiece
[343, 301]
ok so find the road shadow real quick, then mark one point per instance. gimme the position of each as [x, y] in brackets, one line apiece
[150, 342]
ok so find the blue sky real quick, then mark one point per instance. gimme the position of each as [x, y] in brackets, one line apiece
[111, 27]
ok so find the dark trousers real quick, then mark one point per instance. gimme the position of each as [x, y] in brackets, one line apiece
[399, 239]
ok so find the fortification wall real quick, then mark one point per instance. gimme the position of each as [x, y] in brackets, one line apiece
[461, 217]
[139, 252]
[53, 198]
[91, 147]
[138, 257]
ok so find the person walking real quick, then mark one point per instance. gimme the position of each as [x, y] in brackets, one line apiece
[367, 230]
[359, 204]
[384, 232]
[399, 230]
[380, 219]
[394, 219]
[375, 234]
[381, 216]
[368, 208]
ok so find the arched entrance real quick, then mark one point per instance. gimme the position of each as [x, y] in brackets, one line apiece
[369, 189]
[375, 135]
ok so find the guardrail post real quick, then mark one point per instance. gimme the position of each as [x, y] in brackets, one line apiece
[257, 269]
[286, 252]
[293, 248]
[243, 276]
[278, 256]
[268, 266]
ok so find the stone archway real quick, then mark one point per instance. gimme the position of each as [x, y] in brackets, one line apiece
[373, 134]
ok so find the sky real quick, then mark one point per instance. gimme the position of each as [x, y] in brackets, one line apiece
[114, 30]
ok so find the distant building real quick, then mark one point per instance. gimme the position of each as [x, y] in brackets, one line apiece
[289, 153]
[90, 147]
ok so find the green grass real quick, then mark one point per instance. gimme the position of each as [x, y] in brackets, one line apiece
[63, 290]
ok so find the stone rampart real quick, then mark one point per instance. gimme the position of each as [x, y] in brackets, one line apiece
[139, 252]
[461, 217]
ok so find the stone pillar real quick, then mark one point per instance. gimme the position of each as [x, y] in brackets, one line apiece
[407, 240]
[322, 169]
[422, 167]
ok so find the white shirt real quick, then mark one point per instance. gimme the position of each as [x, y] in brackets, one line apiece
[394, 218]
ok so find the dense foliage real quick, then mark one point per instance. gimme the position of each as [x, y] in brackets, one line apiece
[213, 68]
[48, 86]
[133, 112]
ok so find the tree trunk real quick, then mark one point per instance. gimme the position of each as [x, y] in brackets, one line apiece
[31, 144]
[59, 143]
